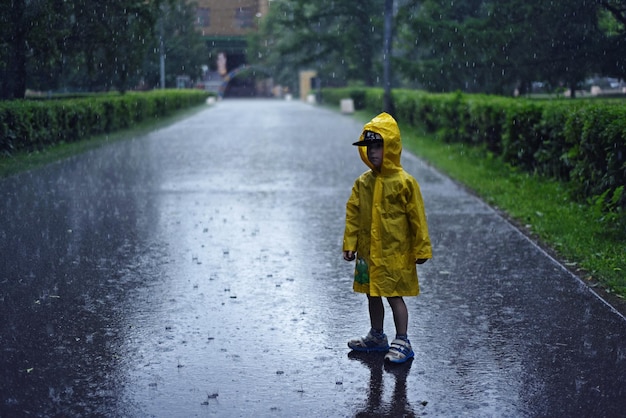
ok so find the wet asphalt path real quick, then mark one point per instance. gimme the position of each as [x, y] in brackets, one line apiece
[197, 271]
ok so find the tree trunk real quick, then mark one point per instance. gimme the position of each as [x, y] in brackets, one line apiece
[572, 89]
[14, 86]
[387, 99]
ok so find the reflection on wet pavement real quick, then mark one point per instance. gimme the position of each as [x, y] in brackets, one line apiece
[197, 271]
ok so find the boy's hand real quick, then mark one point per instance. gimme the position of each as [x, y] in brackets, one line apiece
[421, 260]
[348, 255]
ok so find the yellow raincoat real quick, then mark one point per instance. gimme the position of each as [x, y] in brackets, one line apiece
[385, 220]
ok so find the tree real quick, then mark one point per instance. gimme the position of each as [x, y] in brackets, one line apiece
[30, 34]
[495, 46]
[444, 45]
[569, 43]
[185, 51]
[108, 42]
[13, 52]
[612, 22]
[341, 39]
[89, 44]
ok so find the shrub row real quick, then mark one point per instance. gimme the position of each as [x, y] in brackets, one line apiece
[581, 142]
[31, 125]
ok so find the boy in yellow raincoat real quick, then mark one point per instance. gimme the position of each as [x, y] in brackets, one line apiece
[386, 232]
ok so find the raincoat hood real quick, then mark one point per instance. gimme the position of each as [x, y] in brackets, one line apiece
[387, 127]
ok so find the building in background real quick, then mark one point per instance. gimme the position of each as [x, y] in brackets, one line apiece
[229, 18]
[224, 24]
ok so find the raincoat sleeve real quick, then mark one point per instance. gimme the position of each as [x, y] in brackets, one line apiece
[352, 220]
[421, 247]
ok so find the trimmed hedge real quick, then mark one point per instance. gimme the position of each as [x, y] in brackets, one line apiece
[32, 125]
[581, 142]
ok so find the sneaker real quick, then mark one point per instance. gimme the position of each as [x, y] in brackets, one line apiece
[369, 343]
[399, 352]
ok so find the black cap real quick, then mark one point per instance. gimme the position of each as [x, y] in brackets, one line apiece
[369, 138]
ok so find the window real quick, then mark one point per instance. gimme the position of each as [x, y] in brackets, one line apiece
[244, 17]
[203, 17]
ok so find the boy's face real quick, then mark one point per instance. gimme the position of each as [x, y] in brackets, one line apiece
[375, 155]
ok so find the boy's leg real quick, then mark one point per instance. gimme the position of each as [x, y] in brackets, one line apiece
[400, 314]
[400, 350]
[375, 340]
[377, 312]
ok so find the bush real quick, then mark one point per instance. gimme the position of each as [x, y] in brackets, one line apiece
[488, 117]
[597, 153]
[580, 142]
[521, 139]
[31, 125]
[334, 96]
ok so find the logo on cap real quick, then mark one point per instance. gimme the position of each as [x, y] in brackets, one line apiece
[369, 138]
[372, 136]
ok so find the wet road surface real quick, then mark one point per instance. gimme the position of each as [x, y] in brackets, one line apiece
[197, 271]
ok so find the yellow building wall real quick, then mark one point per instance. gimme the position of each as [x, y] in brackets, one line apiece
[232, 17]
[305, 83]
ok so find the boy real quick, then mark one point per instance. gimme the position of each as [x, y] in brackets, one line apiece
[386, 231]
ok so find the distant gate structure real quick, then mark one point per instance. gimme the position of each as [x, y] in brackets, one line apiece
[232, 74]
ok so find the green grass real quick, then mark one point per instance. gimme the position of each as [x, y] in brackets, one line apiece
[24, 161]
[572, 232]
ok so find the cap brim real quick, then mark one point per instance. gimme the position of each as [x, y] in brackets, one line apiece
[366, 143]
